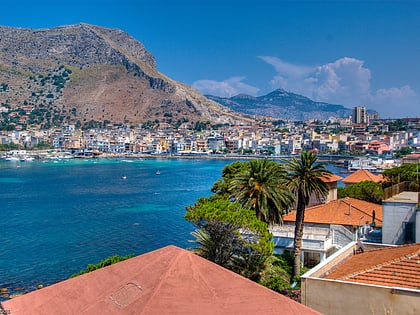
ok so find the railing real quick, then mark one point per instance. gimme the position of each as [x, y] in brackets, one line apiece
[313, 237]
[341, 236]
[309, 232]
[396, 189]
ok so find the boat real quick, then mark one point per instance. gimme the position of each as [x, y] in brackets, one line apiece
[12, 158]
[157, 172]
[365, 164]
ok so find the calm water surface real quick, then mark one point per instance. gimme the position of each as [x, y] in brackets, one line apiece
[57, 217]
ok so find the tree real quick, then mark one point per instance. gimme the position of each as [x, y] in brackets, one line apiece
[305, 180]
[262, 188]
[221, 186]
[403, 173]
[230, 236]
[366, 190]
[403, 151]
[408, 173]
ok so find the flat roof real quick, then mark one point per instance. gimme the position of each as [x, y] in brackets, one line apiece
[405, 196]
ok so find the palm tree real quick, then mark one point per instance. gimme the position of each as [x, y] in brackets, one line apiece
[305, 180]
[262, 187]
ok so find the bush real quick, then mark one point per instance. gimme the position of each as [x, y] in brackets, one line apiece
[366, 190]
[106, 262]
[277, 276]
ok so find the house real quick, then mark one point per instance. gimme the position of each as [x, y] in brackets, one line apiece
[366, 279]
[377, 147]
[328, 227]
[401, 217]
[169, 280]
[360, 176]
[331, 181]
[413, 158]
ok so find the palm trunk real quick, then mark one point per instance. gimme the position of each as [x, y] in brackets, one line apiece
[297, 244]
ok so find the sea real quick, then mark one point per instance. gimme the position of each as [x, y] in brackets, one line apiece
[58, 216]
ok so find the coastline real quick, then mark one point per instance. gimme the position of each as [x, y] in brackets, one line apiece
[24, 156]
[321, 157]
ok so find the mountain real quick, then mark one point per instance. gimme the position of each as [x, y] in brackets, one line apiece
[283, 105]
[84, 73]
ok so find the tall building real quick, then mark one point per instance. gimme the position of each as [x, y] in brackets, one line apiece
[359, 115]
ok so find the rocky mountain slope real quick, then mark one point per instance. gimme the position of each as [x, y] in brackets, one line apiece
[84, 73]
[283, 105]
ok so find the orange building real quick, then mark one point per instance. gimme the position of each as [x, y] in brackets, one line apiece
[360, 176]
[378, 147]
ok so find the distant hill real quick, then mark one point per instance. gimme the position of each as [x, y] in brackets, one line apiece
[283, 105]
[83, 73]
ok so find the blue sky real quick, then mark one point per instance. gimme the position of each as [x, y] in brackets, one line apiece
[343, 52]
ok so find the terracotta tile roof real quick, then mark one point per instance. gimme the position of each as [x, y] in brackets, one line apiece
[362, 175]
[170, 280]
[330, 178]
[346, 211]
[391, 266]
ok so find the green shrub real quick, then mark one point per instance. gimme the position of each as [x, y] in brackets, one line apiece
[106, 262]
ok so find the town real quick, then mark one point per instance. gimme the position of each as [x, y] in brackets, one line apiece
[359, 134]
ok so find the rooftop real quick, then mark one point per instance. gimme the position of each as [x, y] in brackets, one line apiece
[331, 178]
[346, 211]
[169, 280]
[360, 176]
[389, 266]
[405, 196]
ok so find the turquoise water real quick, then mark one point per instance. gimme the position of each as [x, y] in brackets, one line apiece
[55, 218]
[58, 217]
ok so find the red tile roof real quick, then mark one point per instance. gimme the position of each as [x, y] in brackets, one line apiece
[391, 266]
[166, 281]
[330, 178]
[346, 211]
[362, 175]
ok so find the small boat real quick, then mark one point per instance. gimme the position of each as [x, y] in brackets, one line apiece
[157, 172]
[123, 177]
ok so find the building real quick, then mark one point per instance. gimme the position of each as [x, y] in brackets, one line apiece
[365, 279]
[401, 218]
[360, 176]
[169, 280]
[328, 227]
[331, 181]
[411, 159]
[377, 147]
[359, 115]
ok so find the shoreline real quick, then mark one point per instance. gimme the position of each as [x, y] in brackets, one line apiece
[321, 157]
[24, 156]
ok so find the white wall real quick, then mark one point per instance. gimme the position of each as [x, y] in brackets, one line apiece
[394, 214]
[338, 297]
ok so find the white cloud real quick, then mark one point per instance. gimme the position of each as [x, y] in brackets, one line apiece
[396, 102]
[227, 88]
[346, 81]
[287, 69]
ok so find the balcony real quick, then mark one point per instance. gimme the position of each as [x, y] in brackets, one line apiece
[315, 238]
